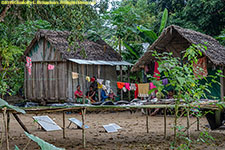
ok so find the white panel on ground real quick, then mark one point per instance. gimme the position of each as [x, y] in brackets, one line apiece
[78, 123]
[47, 123]
[110, 128]
[116, 126]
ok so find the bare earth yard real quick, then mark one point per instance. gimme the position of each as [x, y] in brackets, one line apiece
[132, 136]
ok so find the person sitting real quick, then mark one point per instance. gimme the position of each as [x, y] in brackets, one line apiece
[91, 94]
[79, 96]
[94, 83]
[112, 95]
[103, 94]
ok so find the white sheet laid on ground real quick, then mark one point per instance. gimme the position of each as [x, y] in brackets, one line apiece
[115, 126]
[47, 123]
[78, 123]
[112, 127]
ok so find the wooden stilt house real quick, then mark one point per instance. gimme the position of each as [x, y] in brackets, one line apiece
[87, 58]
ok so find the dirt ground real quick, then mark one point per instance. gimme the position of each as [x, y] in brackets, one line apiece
[132, 136]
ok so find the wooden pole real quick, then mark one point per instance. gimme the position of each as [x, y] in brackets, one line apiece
[121, 70]
[20, 122]
[188, 122]
[198, 124]
[175, 122]
[147, 110]
[164, 123]
[83, 128]
[121, 79]
[99, 76]
[83, 82]
[128, 74]
[64, 125]
[8, 121]
[5, 126]
[222, 85]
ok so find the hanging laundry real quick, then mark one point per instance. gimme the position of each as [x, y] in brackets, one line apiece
[156, 71]
[127, 86]
[132, 87]
[136, 91]
[28, 64]
[165, 81]
[50, 67]
[100, 81]
[151, 86]
[200, 69]
[124, 89]
[88, 78]
[75, 75]
[120, 85]
[100, 86]
[108, 87]
[143, 90]
[92, 79]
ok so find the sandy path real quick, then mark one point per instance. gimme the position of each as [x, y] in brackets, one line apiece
[132, 136]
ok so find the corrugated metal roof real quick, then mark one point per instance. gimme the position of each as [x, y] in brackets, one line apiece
[100, 62]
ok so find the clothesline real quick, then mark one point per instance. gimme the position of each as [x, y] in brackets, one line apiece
[143, 87]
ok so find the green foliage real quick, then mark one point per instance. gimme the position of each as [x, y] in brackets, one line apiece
[43, 145]
[221, 37]
[149, 35]
[204, 137]
[187, 87]
[28, 30]
[163, 21]
[201, 15]
[3, 104]
[11, 70]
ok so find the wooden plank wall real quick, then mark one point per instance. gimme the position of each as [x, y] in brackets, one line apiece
[56, 85]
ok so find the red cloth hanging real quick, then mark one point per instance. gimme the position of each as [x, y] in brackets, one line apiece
[136, 91]
[156, 71]
[200, 68]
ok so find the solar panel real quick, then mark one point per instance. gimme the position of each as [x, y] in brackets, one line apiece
[116, 126]
[78, 123]
[47, 123]
[110, 128]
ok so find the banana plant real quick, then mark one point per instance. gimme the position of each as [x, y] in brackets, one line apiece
[148, 34]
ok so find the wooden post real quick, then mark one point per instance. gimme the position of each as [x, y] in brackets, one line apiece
[8, 121]
[121, 79]
[188, 122]
[25, 82]
[5, 126]
[175, 121]
[128, 74]
[20, 122]
[222, 85]
[99, 76]
[164, 123]
[64, 125]
[147, 110]
[83, 128]
[83, 82]
[57, 82]
[198, 124]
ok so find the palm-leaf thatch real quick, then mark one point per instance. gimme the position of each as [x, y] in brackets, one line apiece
[176, 39]
[85, 49]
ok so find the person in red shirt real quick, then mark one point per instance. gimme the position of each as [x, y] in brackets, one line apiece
[78, 95]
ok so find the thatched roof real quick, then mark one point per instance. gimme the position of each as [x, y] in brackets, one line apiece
[176, 39]
[86, 49]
